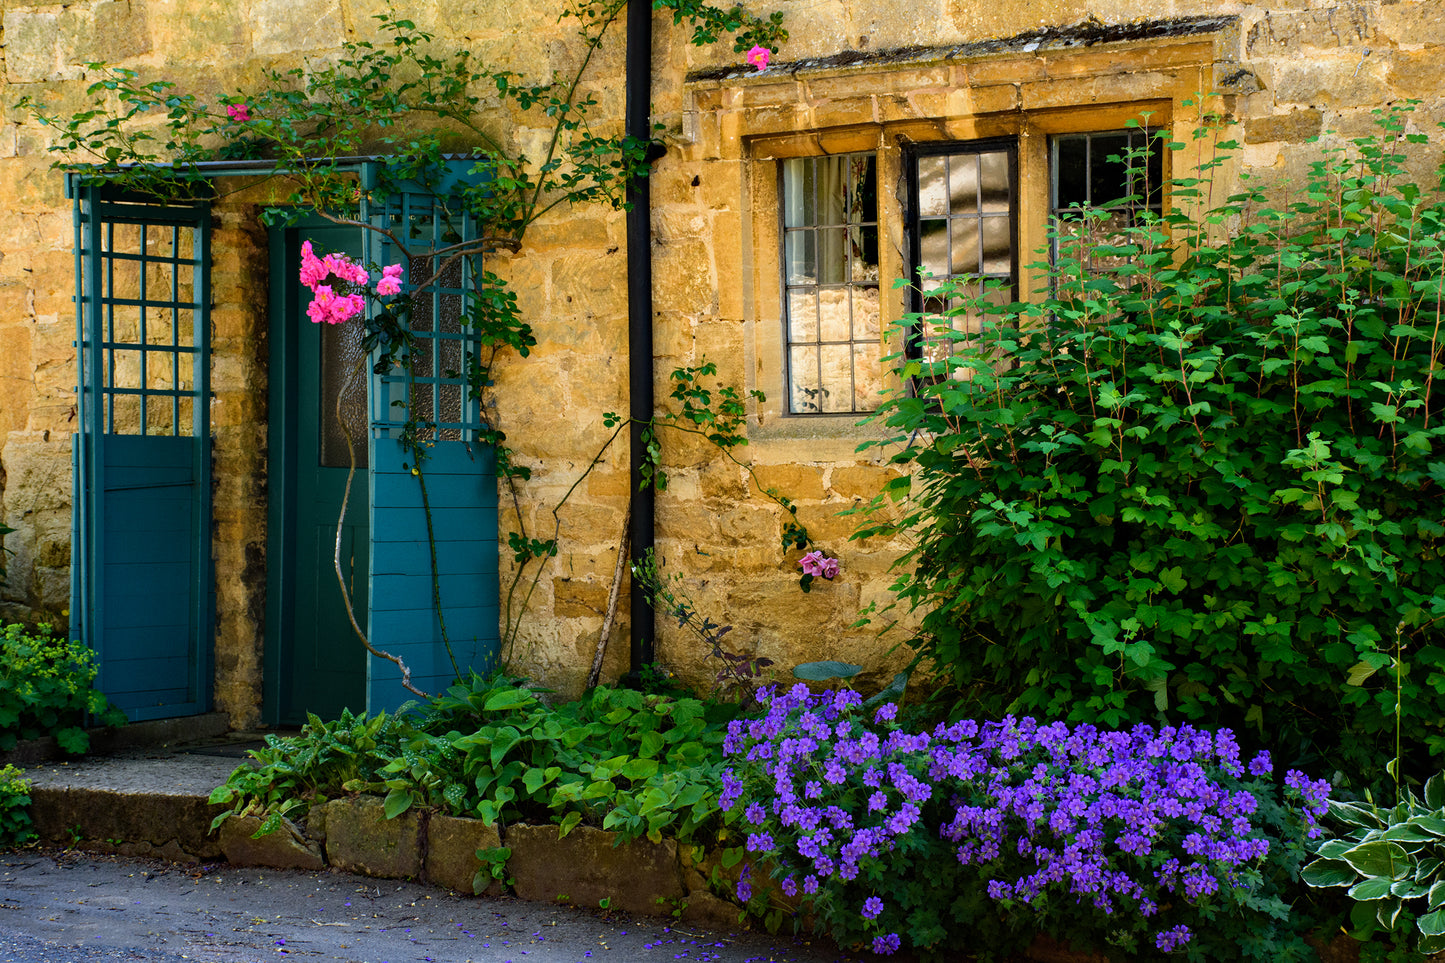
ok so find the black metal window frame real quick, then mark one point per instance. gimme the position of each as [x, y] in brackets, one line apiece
[1143, 192]
[920, 299]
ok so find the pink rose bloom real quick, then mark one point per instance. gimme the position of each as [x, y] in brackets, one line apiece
[759, 57]
[390, 283]
[240, 113]
[819, 565]
[313, 272]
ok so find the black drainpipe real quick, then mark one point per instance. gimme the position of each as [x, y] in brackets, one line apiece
[639, 313]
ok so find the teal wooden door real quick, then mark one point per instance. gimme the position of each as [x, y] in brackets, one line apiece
[316, 662]
[142, 593]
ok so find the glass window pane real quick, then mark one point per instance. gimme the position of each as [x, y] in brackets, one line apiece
[803, 315]
[804, 388]
[866, 324]
[832, 255]
[863, 254]
[868, 374]
[933, 248]
[1071, 172]
[798, 192]
[801, 255]
[343, 376]
[963, 188]
[994, 182]
[1108, 178]
[932, 186]
[837, 360]
[834, 323]
[965, 246]
[997, 235]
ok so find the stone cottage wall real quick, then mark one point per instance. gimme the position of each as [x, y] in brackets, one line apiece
[1288, 71]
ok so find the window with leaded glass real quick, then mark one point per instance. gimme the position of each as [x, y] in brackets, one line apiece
[963, 234]
[1116, 174]
[832, 329]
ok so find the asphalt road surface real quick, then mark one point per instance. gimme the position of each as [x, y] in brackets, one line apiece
[58, 907]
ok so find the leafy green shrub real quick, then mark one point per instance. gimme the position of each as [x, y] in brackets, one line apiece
[45, 689]
[289, 775]
[625, 761]
[1392, 860]
[1205, 483]
[14, 807]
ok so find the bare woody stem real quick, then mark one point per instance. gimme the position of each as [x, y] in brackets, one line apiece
[395, 660]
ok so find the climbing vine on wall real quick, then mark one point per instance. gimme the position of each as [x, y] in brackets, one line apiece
[397, 96]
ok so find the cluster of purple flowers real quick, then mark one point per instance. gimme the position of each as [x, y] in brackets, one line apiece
[1120, 819]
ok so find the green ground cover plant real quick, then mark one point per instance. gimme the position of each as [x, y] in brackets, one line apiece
[1205, 483]
[15, 820]
[638, 764]
[46, 689]
[1392, 859]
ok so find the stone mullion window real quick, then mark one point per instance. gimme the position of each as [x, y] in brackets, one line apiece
[832, 332]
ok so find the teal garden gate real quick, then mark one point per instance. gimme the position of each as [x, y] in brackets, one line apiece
[141, 587]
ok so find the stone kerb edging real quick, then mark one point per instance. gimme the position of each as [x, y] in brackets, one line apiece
[583, 869]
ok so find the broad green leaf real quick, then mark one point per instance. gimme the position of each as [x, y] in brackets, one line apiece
[569, 823]
[397, 802]
[1406, 833]
[1370, 889]
[507, 700]
[504, 739]
[1432, 924]
[1359, 673]
[1388, 912]
[823, 671]
[1329, 872]
[1435, 792]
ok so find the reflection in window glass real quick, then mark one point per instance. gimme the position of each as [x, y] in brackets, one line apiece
[963, 235]
[830, 277]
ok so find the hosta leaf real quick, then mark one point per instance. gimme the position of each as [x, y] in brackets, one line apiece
[1431, 824]
[1369, 889]
[1329, 872]
[1388, 912]
[1432, 924]
[1379, 858]
[1408, 889]
[1432, 944]
[1352, 814]
[1427, 869]
[823, 671]
[1407, 833]
[1435, 792]
[1333, 848]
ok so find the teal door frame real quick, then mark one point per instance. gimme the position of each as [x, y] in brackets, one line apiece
[142, 590]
